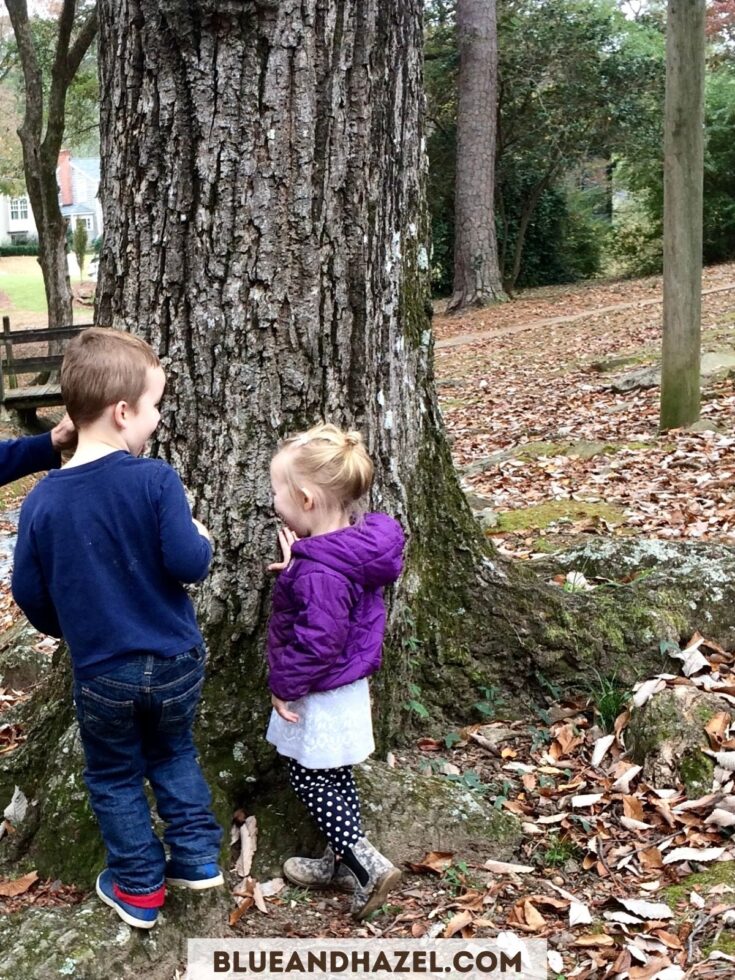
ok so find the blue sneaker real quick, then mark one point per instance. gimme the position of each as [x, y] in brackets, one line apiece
[134, 915]
[195, 876]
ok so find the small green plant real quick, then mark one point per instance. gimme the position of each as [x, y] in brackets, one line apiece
[451, 739]
[385, 909]
[558, 853]
[414, 704]
[458, 878]
[540, 736]
[490, 701]
[505, 791]
[79, 243]
[609, 698]
[552, 689]
[470, 780]
[300, 896]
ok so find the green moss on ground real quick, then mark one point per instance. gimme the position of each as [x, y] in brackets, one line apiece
[542, 515]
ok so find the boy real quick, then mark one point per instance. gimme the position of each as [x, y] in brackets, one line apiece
[103, 546]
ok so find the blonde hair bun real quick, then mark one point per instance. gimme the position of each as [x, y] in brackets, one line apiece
[333, 460]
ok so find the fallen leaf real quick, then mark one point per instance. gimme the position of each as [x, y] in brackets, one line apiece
[622, 783]
[555, 961]
[15, 811]
[589, 799]
[595, 939]
[248, 846]
[693, 854]
[503, 867]
[533, 917]
[601, 748]
[646, 910]
[242, 908]
[272, 887]
[435, 862]
[17, 886]
[579, 914]
[457, 923]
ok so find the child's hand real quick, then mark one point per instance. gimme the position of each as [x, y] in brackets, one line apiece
[286, 538]
[202, 529]
[64, 435]
[283, 710]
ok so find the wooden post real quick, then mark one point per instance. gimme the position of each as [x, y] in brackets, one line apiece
[683, 176]
[8, 344]
[6, 320]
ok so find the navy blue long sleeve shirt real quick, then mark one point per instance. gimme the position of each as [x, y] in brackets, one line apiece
[103, 549]
[20, 457]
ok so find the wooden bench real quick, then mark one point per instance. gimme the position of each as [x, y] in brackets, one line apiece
[25, 399]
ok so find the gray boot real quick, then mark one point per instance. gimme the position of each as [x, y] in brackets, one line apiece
[382, 877]
[319, 872]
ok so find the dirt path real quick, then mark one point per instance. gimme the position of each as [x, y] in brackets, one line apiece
[471, 338]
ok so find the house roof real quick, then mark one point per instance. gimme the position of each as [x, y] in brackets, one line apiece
[68, 210]
[90, 166]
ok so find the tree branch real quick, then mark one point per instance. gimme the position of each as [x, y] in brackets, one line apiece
[59, 84]
[33, 118]
[81, 45]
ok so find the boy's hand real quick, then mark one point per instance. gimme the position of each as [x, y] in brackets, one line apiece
[202, 529]
[283, 709]
[64, 435]
[286, 538]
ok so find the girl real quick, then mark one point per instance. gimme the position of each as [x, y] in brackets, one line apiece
[325, 638]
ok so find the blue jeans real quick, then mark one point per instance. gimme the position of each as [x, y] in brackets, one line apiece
[136, 723]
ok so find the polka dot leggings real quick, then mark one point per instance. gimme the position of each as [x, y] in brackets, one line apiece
[330, 796]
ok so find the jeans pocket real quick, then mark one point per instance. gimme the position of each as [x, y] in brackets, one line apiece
[101, 713]
[199, 654]
[178, 713]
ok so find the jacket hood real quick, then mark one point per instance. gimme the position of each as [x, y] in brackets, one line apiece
[368, 553]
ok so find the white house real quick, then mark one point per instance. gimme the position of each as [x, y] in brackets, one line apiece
[78, 179]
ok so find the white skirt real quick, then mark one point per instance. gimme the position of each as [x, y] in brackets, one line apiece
[335, 728]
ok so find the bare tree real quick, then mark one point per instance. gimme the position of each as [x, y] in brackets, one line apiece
[477, 278]
[683, 180]
[41, 135]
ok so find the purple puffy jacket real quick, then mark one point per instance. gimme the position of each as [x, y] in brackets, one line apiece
[328, 617]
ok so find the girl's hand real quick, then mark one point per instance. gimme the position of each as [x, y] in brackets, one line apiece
[286, 538]
[283, 710]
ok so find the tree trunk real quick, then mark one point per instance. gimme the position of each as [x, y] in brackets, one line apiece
[265, 227]
[41, 149]
[529, 206]
[683, 178]
[477, 279]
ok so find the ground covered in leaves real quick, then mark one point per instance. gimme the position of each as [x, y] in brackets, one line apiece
[621, 877]
[549, 433]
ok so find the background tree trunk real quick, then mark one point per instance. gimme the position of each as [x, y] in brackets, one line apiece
[477, 278]
[41, 147]
[683, 179]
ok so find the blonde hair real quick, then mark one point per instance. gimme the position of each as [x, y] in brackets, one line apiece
[333, 461]
[102, 366]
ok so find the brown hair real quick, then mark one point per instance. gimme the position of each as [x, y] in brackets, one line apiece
[101, 367]
[333, 461]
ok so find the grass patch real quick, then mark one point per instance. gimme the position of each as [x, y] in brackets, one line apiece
[720, 873]
[22, 290]
[542, 515]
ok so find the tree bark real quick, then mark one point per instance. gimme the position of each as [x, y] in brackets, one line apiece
[41, 149]
[683, 180]
[477, 278]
